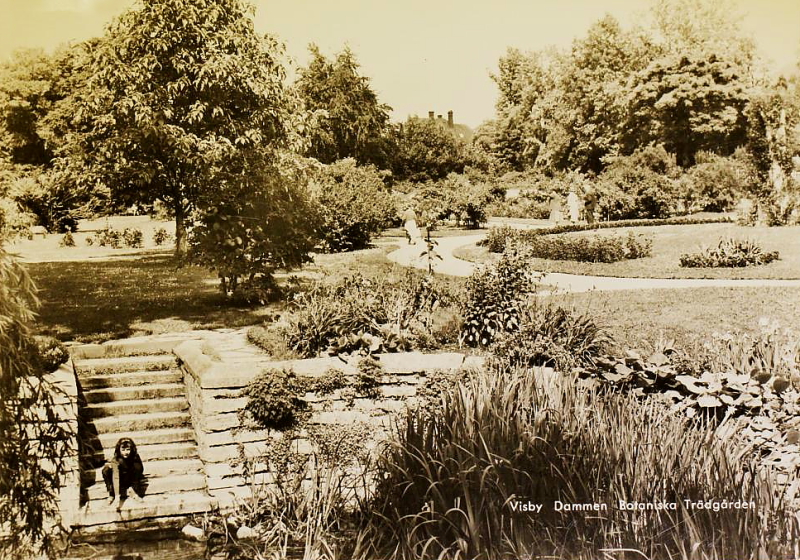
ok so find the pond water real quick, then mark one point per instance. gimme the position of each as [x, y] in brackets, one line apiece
[165, 548]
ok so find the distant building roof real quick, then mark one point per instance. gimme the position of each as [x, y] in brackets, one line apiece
[461, 131]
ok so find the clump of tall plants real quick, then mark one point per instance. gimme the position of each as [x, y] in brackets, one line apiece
[554, 336]
[367, 315]
[493, 299]
[729, 253]
[456, 474]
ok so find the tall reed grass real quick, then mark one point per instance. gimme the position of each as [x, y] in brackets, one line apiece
[452, 476]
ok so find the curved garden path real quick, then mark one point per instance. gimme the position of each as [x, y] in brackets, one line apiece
[409, 255]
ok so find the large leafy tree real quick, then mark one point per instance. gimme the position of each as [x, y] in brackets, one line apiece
[181, 91]
[350, 121]
[588, 112]
[35, 117]
[524, 80]
[426, 150]
[690, 103]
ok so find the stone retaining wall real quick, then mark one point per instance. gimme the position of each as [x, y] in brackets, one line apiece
[65, 401]
[216, 371]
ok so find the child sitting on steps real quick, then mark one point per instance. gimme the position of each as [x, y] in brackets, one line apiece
[124, 474]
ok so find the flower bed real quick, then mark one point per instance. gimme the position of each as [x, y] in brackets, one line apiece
[729, 253]
[497, 238]
[596, 248]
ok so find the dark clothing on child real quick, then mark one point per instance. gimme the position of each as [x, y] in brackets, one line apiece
[131, 472]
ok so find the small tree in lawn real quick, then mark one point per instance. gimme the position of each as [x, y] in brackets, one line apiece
[181, 89]
[253, 223]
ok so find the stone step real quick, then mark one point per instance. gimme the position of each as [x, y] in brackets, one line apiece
[157, 469]
[137, 406]
[100, 366]
[156, 485]
[130, 379]
[99, 512]
[141, 422]
[152, 452]
[151, 391]
[146, 437]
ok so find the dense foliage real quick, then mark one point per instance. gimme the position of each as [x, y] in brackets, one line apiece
[362, 315]
[426, 150]
[178, 107]
[494, 298]
[253, 225]
[498, 238]
[349, 121]
[452, 483]
[35, 443]
[587, 248]
[354, 204]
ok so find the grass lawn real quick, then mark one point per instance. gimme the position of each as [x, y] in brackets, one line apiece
[95, 300]
[669, 242]
[637, 319]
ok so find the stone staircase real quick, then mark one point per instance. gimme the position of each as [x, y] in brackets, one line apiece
[141, 397]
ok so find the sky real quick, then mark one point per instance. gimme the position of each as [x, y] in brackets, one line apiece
[421, 55]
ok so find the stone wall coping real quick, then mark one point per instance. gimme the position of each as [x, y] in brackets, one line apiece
[211, 372]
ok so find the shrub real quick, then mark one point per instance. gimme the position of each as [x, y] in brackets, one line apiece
[106, 237]
[638, 186]
[132, 237]
[499, 237]
[272, 400]
[596, 248]
[550, 335]
[161, 237]
[493, 298]
[251, 227]
[354, 205]
[67, 240]
[52, 353]
[455, 476]
[729, 253]
[466, 201]
[364, 315]
[715, 183]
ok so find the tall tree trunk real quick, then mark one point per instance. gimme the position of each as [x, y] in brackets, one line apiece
[181, 242]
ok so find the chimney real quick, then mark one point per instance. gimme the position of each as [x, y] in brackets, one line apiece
[430, 115]
[450, 119]
[439, 118]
